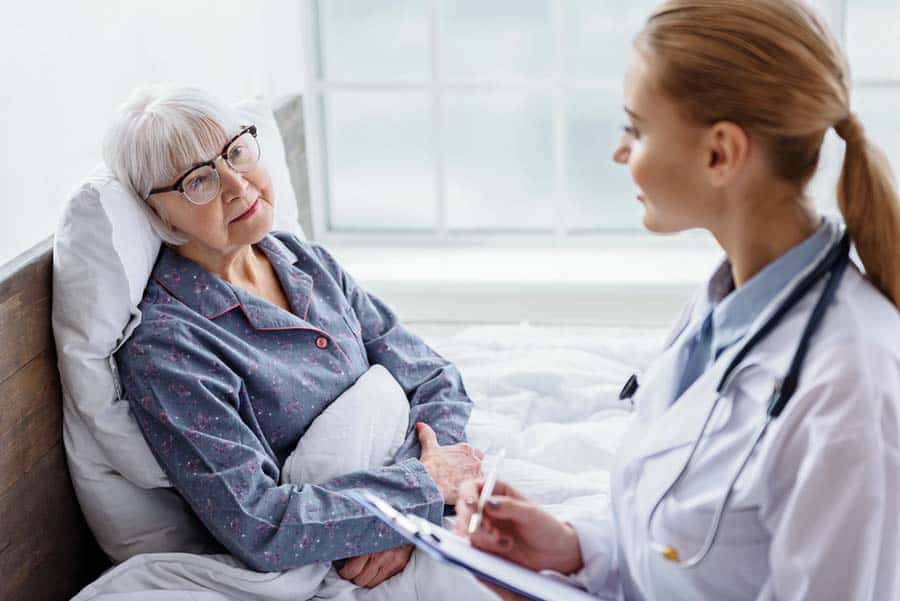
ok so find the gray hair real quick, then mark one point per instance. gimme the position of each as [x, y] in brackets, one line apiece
[158, 134]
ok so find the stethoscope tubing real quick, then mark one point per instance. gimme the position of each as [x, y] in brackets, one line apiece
[713, 531]
[835, 263]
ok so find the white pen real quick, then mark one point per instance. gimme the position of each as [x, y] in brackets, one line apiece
[486, 491]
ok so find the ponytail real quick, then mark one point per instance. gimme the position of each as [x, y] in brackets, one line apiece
[868, 200]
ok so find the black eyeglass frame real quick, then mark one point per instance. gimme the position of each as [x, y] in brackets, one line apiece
[179, 184]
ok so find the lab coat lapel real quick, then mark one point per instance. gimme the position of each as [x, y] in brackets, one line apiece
[666, 427]
[657, 383]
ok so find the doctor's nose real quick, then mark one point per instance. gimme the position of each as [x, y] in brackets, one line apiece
[622, 151]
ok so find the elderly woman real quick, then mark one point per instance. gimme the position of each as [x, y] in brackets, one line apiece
[248, 335]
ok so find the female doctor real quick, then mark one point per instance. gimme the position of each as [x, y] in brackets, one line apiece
[764, 458]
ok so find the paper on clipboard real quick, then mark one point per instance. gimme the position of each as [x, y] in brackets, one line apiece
[451, 548]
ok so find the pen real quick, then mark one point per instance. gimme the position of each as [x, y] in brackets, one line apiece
[486, 491]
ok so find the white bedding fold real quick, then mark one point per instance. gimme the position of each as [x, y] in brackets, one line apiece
[548, 394]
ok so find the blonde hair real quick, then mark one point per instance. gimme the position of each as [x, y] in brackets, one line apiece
[774, 68]
[158, 134]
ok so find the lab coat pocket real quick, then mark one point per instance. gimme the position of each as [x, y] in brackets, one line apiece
[738, 559]
[689, 529]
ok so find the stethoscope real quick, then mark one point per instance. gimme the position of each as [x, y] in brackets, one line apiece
[834, 264]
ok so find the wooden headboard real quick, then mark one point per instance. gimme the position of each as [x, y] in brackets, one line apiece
[46, 549]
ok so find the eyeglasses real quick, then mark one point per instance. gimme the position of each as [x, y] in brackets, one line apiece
[201, 183]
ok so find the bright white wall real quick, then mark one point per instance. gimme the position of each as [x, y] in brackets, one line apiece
[68, 65]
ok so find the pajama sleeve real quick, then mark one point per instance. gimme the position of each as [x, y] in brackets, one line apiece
[196, 416]
[432, 384]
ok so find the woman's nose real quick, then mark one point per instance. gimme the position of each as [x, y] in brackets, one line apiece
[233, 183]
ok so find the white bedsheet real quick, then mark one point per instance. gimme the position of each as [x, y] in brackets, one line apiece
[548, 394]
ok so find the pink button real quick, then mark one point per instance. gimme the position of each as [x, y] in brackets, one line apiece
[321, 342]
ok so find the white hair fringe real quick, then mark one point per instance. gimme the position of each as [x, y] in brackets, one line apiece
[158, 134]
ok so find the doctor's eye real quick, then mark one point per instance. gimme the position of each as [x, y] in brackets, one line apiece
[631, 131]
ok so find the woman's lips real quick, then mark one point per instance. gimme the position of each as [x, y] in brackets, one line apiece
[248, 212]
[640, 197]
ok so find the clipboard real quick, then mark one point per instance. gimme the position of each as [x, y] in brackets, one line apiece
[451, 548]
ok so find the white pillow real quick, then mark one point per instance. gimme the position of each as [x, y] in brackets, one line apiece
[103, 254]
[361, 429]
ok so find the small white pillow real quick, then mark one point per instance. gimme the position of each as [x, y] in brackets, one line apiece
[361, 429]
[103, 254]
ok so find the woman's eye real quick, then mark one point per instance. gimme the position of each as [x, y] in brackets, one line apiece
[236, 151]
[631, 131]
[197, 182]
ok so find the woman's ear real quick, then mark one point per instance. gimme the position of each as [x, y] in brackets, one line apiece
[726, 148]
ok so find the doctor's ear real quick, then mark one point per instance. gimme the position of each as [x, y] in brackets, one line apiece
[725, 147]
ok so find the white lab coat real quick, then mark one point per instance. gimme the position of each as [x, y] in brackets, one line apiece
[815, 513]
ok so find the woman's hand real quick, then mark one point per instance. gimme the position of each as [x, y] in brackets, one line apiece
[373, 569]
[517, 529]
[448, 466]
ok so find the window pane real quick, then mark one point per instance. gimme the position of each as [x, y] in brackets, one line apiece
[873, 39]
[601, 193]
[498, 151]
[597, 35]
[375, 40]
[877, 109]
[497, 39]
[380, 168]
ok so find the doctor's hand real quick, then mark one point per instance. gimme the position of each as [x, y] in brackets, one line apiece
[515, 528]
[373, 569]
[448, 466]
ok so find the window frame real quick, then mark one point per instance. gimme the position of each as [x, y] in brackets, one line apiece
[835, 12]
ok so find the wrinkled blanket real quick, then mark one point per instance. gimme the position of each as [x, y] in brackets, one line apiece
[548, 394]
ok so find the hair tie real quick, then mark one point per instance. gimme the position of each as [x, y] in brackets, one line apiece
[850, 129]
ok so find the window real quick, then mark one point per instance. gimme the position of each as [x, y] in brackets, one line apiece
[443, 117]
[873, 47]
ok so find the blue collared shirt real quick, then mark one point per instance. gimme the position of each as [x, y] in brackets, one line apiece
[223, 384]
[730, 312]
